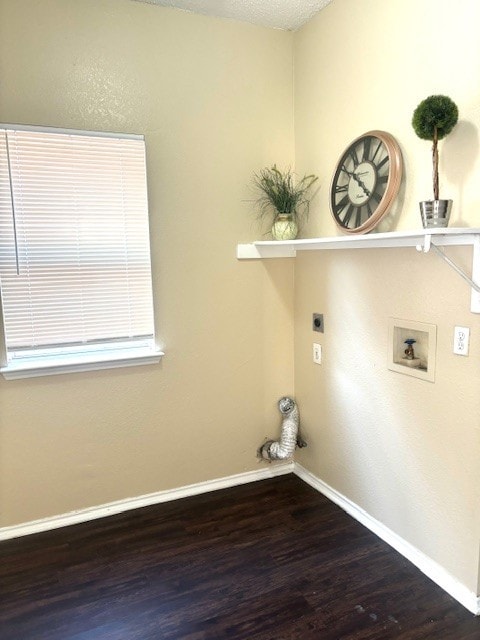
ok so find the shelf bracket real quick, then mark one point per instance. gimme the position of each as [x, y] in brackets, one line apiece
[475, 301]
[427, 243]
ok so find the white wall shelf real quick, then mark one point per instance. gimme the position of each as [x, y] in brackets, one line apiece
[289, 248]
[422, 239]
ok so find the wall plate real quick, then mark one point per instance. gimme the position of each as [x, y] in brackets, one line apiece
[425, 348]
[317, 322]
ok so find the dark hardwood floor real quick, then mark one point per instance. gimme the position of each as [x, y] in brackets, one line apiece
[273, 560]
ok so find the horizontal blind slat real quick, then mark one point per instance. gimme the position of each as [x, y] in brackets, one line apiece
[81, 216]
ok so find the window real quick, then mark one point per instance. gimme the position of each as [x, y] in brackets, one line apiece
[74, 251]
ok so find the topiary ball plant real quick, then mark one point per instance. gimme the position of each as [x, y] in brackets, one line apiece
[433, 119]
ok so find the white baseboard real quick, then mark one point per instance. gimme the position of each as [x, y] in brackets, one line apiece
[119, 506]
[428, 566]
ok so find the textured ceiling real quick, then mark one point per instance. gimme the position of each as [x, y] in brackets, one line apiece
[280, 14]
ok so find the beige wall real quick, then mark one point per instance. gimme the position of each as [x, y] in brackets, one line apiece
[403, 449]
[214, 100]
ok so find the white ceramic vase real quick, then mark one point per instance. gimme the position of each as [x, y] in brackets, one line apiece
[284, 227]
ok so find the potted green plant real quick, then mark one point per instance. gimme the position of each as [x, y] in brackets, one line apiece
[283, 199]
[433, 119]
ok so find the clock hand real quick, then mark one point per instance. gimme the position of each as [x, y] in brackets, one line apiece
[349, 173]
[352, 173]
[360, 183]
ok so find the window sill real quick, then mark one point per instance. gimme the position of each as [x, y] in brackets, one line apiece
[34, 367]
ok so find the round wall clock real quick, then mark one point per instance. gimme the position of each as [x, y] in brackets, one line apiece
[366, 180]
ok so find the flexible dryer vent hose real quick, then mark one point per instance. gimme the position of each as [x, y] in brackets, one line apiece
[290, 437]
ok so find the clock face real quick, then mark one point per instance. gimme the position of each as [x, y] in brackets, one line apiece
[366, 180]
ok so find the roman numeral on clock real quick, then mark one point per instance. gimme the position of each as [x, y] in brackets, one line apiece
[340, 206]
[366, 149]
[348, 215]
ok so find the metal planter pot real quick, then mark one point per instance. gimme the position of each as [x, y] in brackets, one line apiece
[435, 213]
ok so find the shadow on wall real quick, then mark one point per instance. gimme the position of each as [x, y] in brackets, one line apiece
[391, 220]
[458, 155]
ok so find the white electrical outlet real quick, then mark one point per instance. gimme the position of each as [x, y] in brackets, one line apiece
[317, 353]
[461, 339]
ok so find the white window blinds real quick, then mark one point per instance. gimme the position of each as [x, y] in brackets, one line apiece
[74, 247]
